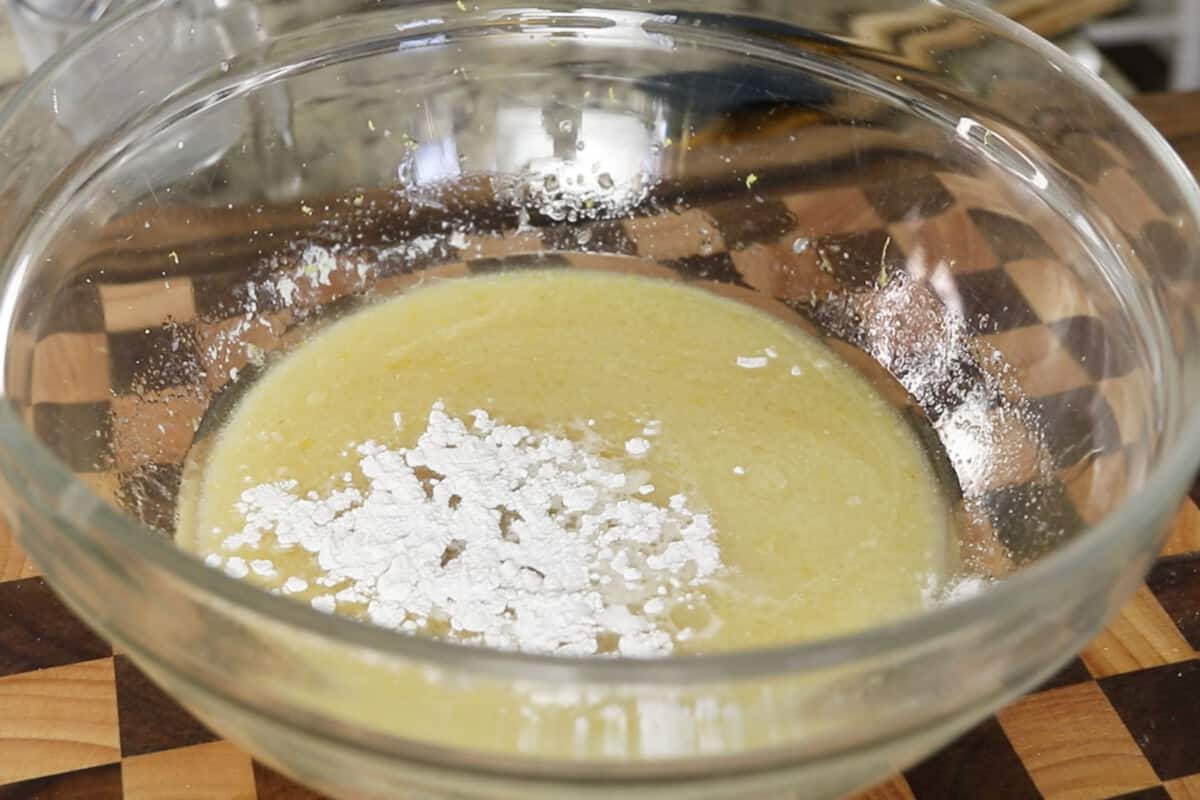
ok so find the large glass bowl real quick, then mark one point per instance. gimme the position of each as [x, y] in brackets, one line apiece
[1003, 245]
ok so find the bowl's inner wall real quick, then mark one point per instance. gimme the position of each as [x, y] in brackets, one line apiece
[199, 246]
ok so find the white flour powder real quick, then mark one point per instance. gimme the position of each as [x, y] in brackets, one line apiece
[502, 535]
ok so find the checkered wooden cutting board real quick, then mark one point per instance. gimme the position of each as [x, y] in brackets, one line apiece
[80, 723]
[121, 363]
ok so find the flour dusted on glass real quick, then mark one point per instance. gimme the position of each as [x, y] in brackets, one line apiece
[497, 534]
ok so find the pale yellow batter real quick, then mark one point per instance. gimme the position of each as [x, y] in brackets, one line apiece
[828, 514]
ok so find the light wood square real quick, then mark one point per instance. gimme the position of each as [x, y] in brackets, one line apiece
[670, 236]
[780, 272]
[1098, 484]
[18, 375]
[1184, 536]
[71, 368]
[1141, 635]
[971, 192]
[213, 771]
[147, 304]
[227, 346]
[14, 563]
[157, 427]
[832, 211]
[1037, 361]
[1184, 788]
[1051, 289]
[58, 720]
[1126, 201]
[951, 239]
[1130, 398]
[1044, 730]
[895, 789]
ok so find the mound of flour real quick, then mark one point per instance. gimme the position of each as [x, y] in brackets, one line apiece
[497, 534]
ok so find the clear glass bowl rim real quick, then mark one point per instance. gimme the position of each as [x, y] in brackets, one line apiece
[41, 468]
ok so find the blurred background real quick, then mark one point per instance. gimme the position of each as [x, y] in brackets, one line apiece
[1136, 45]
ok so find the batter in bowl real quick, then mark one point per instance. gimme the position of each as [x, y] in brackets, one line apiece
[574, 462]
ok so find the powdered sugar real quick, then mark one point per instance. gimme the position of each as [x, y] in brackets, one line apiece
[637, 446]
[752, 362]
[496, 534]
[964, 587]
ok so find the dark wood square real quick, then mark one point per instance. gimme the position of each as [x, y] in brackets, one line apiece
[1099, 353]
[716, 267]
[150, 492]
[76, 309]
[1162, 194]
[598, 237]
[154, 359]
[1164, 249]
[407, 260]
[991, 302]
[483, 266]
[1152, 793]
[1175, 582]
[37, 630]
[1032, 518]
[97, 783]
[743, 222]
[229, 293]
[910, 198]
[1075, 672]
[1084, 156]
[150, 720]
[1010, 238]
[78, 433]
[950, 388]
[980, 765]
[270, 785]
[1076, 424]
[1161, 708]
[856, 259]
